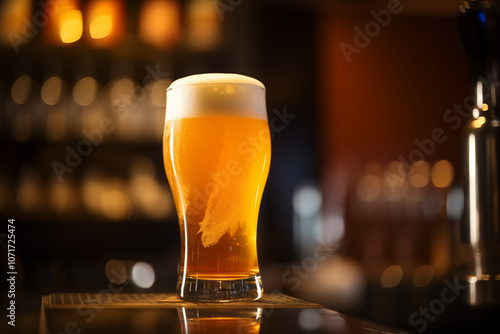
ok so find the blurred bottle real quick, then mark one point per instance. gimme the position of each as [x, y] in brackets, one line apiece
[479, 232]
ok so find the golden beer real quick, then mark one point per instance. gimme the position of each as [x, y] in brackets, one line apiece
[217, 151]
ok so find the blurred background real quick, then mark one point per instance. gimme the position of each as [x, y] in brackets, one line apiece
[361, 93]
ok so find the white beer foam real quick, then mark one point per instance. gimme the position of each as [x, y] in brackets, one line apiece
[213, 94]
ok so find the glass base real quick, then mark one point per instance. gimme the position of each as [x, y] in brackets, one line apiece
[214, 290]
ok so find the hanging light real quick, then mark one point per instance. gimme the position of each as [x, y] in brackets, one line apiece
[64, 23]
[159, 23]
[105, 22]
[12, 22]
[71, 26]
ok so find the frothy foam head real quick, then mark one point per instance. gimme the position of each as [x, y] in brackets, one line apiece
[213, 94]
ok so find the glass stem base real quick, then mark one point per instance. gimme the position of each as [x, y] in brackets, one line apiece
[214, 290]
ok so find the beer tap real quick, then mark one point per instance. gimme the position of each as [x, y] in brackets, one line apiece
[479, 229]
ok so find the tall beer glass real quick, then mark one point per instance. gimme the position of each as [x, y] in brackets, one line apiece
[217, 151]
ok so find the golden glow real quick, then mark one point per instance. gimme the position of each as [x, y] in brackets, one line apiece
[21, 89]
[391, 276]
[203, 25]
[60, 25]
[101, 26]
[116, 271]
[484, 107]
[479, 122]
[442, 174]
[71, 26]
[159, 23]
[106, 197]
[149, 196]
[12, 14]
[51, 90]
[85, 91]
[114, 201]
[105, 19]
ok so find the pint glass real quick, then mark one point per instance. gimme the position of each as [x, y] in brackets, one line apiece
[217, 151]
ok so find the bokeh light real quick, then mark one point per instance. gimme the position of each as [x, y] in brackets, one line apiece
[71, 26]
[51, 90]
[21, 89]
[143, 275]
[391, 276]
[85, 91]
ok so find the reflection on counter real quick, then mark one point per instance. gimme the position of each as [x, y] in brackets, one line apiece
[212, 320]
[166, 313]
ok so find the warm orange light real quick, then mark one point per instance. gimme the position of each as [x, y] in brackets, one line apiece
[442, 174]
[159, 23]
[71, 26]
[203, 25]
[477, 123]
[101, 26]
[64, 24]
[12, 23]
[105, 19]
